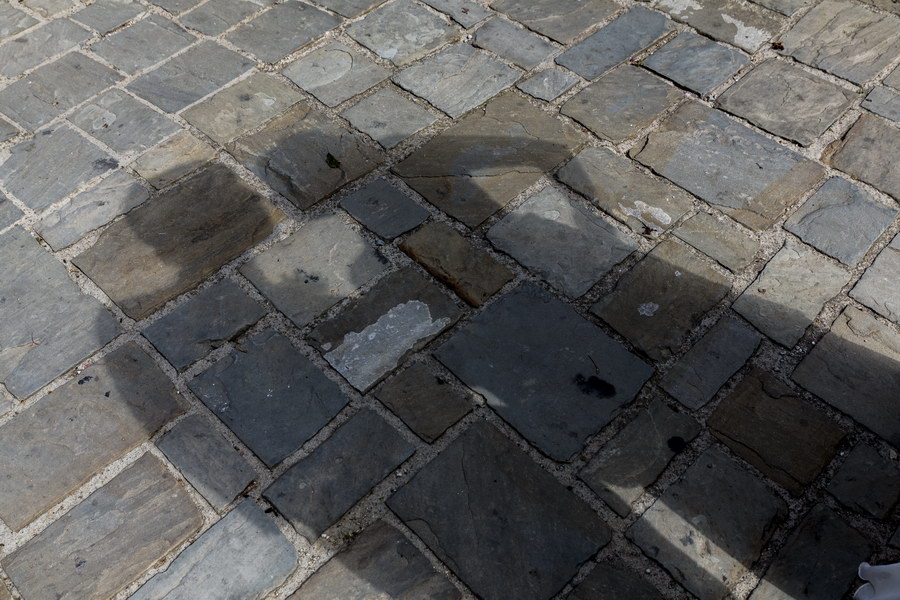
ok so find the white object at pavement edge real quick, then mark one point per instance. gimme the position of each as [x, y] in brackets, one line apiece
[884, 582]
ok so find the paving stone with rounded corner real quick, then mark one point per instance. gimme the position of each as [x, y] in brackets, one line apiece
[465, 12]
[335, 73]
[561, 20]
[719, 238]
[384, 209]
[867, 482]
[696, 62]
[122, 122]
[883, 102]
[548, 84]
[865, 153]
[143, 44]
[879, 287]
[36, 46]
[106, 15]
[614, 580]
[213, 18]
[13, 20]
[514, 43]
[282, 30]
[727, 21]
[402, 32]
[388, 117]
[176, 157]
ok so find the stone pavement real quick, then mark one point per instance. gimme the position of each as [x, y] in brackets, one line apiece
[500, 299]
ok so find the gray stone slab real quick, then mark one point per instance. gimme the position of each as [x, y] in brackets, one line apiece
[633, 459]
[206, 321]
[270, 395]
[614, 580]
[106, 15]
[564, 242]
[314, 268]
[48, 8]
[54, 88]
[388, 117]
[175, 6]
[533, 534]
[696, 62]
[317, 491]
[190, 76]
[92, 208]
[109, 539]
[465, 12]
[750, 177]
[244, 555]
[879, 288]
[548, 84]
[622, 103]
[628, 34]
[46, 324]
[719, 238]
[176, 157]
[155, 252]
[13, 20]
[867, 482]
[561, 20]
[885, 102]
[143, 44]
[9, 214]
[513, 43]
[735, 23]
[384, 209]
[335, 73]
[458, 78]
[213, 18]
[587, 373]
[710, 526]
[378, 563]
[34, 47]
[845, 39]
[866, 153]
[123, 123]
[282, 30]
[349, 8]
[7, 130]
[402, 32]
[662, 298]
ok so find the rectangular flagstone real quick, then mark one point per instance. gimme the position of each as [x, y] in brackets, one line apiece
[39, 44]
[866, 153]
[696, 62]
[13, 20]
[465, 12]
[548, 84]
[885, 102]
[561, 20]
[213, 18]
[402, 31]
[741, 25]
[513, 43]
[384, 209]
[335, 73]
[122, 122]
[867, 482]
[176, 157]
[719, 238]
[349, 8]
[143, 44]
[879, 287]
[614, 580]
[106, 15]
[388, 117]
[285, 28]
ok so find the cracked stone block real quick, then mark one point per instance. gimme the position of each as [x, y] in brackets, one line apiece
[378, 563]
[741, 25]
[402, 32]
[9, 214]
[479, 164]
[842, 220]
[214, 18]
[696, 62]
[388, 117]
[884, 102]
[560, 20]
[106, 15]
[750, 177]
[562, 241]
[242, 107]
[867, 482]
[621, 103]
[154, 253]
[143, 44]
[270, 395]
[548, 84]
[372, 335]
[13, 20]
[719, 238]
[384, 209]
[34, 47]
[282, 30]
[206, 321]
[705, 368]
[845, 39]
[464, 12]
[122, 123]
[515, 44]
[318, 490]
[589, 375]
[349, 8]
[604, 49]
[305, 156]
[866, 152]
[710, 526]
[662, 298]
[633, 459]
[879, 287]
[469, 271]
[539, 533]
[7, 130]
[178, 156]
[307, 273]
[46, 325]
[132, 522]
[457, 79]
[790, 291]
[335, 73]
[614, 580]
[854, 368]
[190, 76]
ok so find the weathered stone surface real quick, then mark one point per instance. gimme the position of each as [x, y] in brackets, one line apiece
[750, 177]
[866, 153]
[621, 103]
[789, 293]
[242, 556]
[384, 209]
[471, 272]
[424, 401]
[513, 43]
[532, 533]
[285, 28]
[481, 163]
[893, 79]
[819, 560]
[207, 460]
[785, 7]
[388, 117]
[885, 102]
[270, 395]
[719, 238]
[49, 8]
[46, 324]
[662, 298]
[561, 20]
[844, 38]
[528, 347]
[108, 540]
[548, 84]
[176, 157]
[335, 73]
[378, 563]
[565, 243]
[372, 334]
[206, 321]
[867, 482]
[106, 15]
[628, 34]
[402, 32]
[304, 156]
[155, 252]
[879, 288]
[242, 107]
[710, 526]
[458, 78]
[842, 220]
[34, 47]
[9, 214]
[13, 20]
[214, 18]
[314, 268]
[143, 44]
[122, 123]
[318, 490]
[699, 374]
[854, 368]
[614, 580]
[696, 62]
[7, 130]
[175, 6]
[637, 455]
[349, 8]
[726, 21]
[464, 12]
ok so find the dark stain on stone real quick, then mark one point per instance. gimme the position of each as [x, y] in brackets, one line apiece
[84, 379]
[595, 386]
[245, 97]
[676, 444]
[332, 162]
[106, 163]
[106, 394]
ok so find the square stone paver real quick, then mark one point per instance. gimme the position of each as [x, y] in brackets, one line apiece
[213, 18]
[884, 102]
[879, 288]
[735, 23]
[564, 242]
[867, 482]
[402, 32]
[866, 153]
[143, 44]
[122, 122]
[465, 12]
[176, 157]
[719, 238]
[349, 8]
[388, 117]
[13, 20]
[34, 47]
[696, 62]
[514, 43]
[561, 20]
[384, 209]
[270, 395]
[614, 580]
[335, 73]
[280, 31]
[532, 533]
[106, 15]
[528, 348]
[548, 84]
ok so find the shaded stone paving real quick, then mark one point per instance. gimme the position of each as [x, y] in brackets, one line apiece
[499, 299]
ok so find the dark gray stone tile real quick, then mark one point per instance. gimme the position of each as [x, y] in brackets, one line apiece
[588, 374]
[880, 284]
[548, 84]
[317, 491]
[561, 20]
[13, 20]
[123, 123]
[402, 32]
[9, 214]
[867, 482]
[384, 209]
[214, 18]
[34, 47]
[513, 43]
[865, 153]
[176, 157]
[742, 25]
[533, 534]
[388, 117]
[719, 238]
[143, 44]
[464, 12]
[885, 102]
[696, 62]
[335, 73]
[349, 8]
[285, 28]
[106, 15]
[614, 580]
